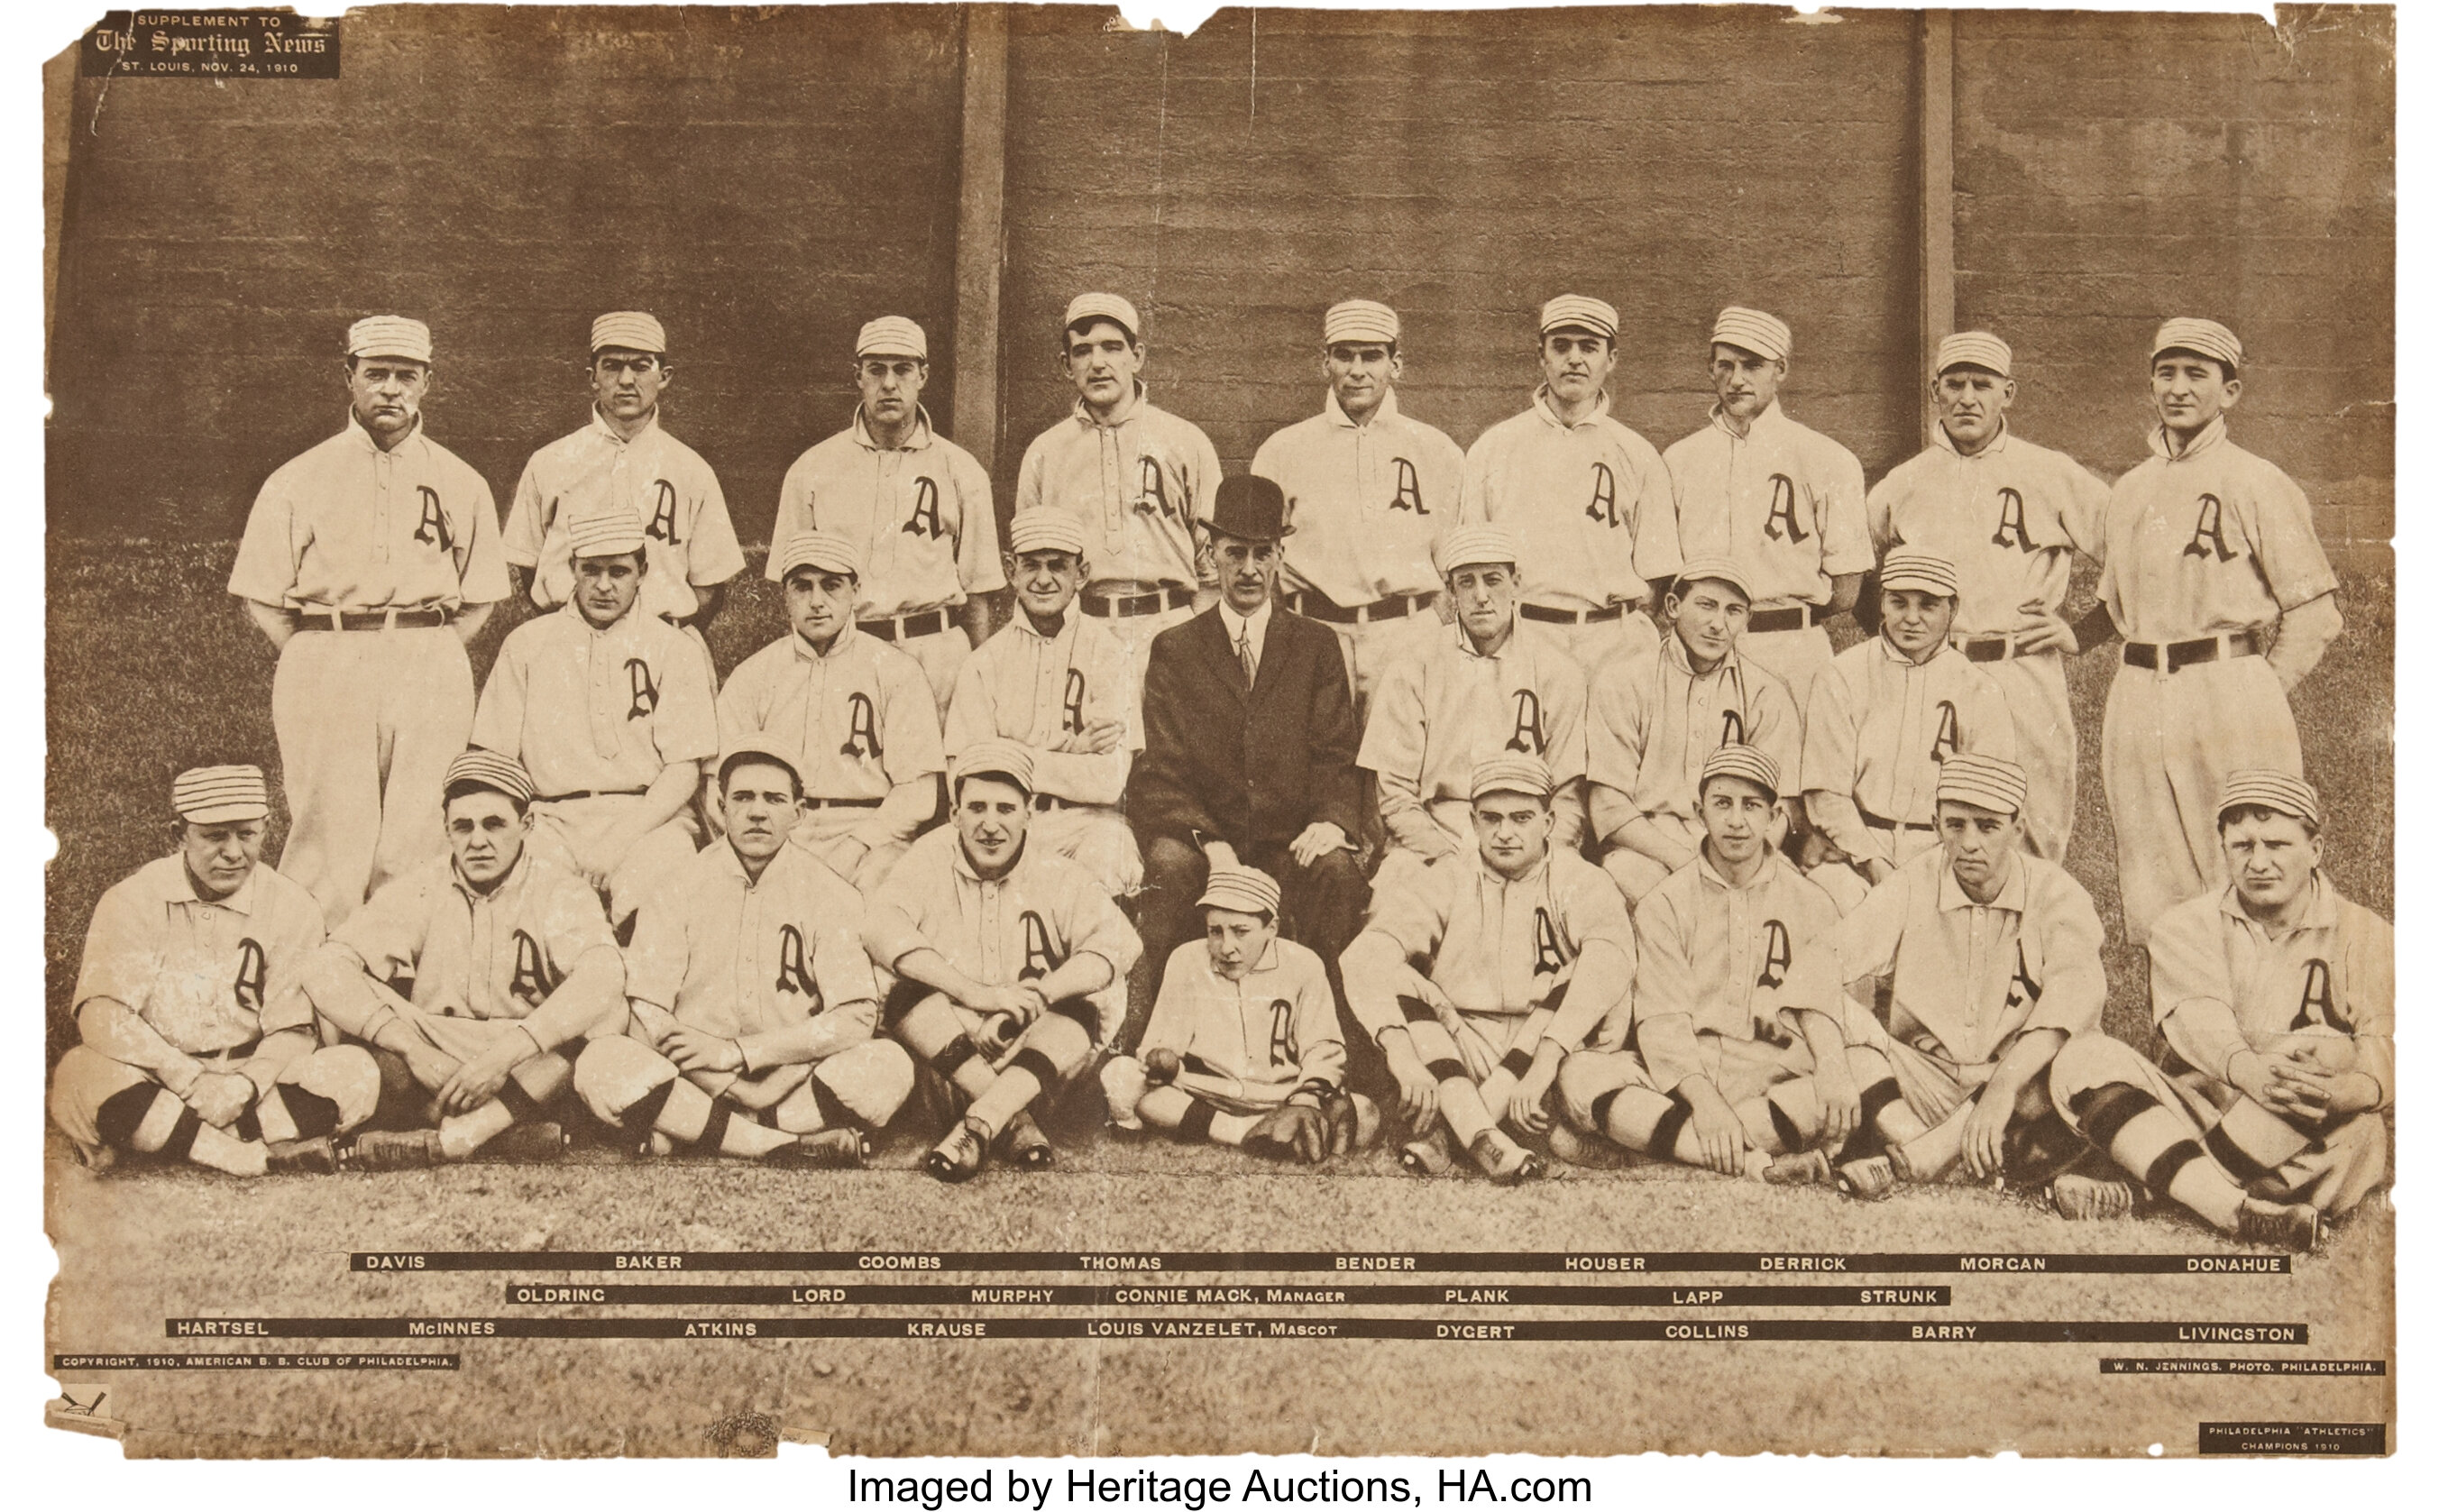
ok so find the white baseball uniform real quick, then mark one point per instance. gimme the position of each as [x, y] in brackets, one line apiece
[688, 539]
[1247, 1046]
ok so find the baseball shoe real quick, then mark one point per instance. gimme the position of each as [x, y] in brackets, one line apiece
[1505, 1161]
[300, 1157]
[384, 1150]
[1578, 1148]
[1869, 1179]
[539, 1141]
[958, 1157]
[837, 1149]
[1433, 1154]
[2085, 1197]
[1805, 1168]
[2295, 1227]
[1023, 1143]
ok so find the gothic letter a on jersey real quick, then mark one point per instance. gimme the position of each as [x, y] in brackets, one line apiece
[2208, 525]
[863, 731]
[1782, 523]
[2319, 1003]
[643, 694]
[794, 976]
[252, 972]
[532, 981]
[1071, 704]
[1529, 737]
[1039, 961]
[1948, 738]
[1152, 498]
[432, 525]
[1777, 954]
[663, 525]
[1604, 506]
[925, 520]
[1410, 490]
[1548, 959]
[2011, 522]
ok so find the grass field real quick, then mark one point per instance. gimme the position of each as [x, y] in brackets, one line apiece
[150, 669]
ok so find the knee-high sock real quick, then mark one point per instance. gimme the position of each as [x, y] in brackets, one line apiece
[1191, 1118]
[937, 1036]
[693, 1117]
[1658, 1124]
[532, 1083]
[152, 1120]
[2155, 1144]
[1050, 1049]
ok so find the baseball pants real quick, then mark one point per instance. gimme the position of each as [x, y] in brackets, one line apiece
[105, 1104]
[368, 722]
[940, 654]
[1935, 1095]
[1372, 646]
[1611, 1093]
[1844, 882]
[1637, 874]
[1136, 631]
[2167, 743]
[2035, 689]
[988, 1074]
[1097, 838]
[1593, 646]
[829, 833]
[566, 828]
[628, 1085]
[1797, 656]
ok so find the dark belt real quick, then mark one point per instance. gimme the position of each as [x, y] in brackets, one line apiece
[842, 802]
[1570, 616]
[592, 793]
[1313, 604]
[1799, 617]
[1126, 606]
[2187, 654]
[906, 626]
[378, 620]
[1044, 802]
[1988, 648]
[1881, 822]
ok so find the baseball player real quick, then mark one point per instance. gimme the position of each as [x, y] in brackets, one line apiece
[2277, 997]
[511, 961]
[2212, 572]
[1243, 1047]
[1781, 500]
[623, 465]
[1370, 489]
[1656, 719]
[855, 715]
[1489, 684]
[1477, 979]
[1992, 963]
[610, 710]
[369, 562]
[1738, 1064]
[754, 1008]
[1587, 497]
[2010, 516]
[1058, 682]
[992, 943]
[197, 1041]
[1884, 717]
[916, 505]
[1137, 476]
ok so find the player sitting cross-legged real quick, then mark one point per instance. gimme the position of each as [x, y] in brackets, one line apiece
[198, 1043]
[510, 960]
[1243, 1047]
[996, 942]
[755, 1006]
[1477, 976]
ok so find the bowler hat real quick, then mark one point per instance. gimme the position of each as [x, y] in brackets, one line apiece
[1250, 508]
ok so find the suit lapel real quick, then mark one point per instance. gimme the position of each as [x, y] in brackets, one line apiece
[1221, 654]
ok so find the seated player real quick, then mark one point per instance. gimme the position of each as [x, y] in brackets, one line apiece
[995, 943]
[1057, 682]
[510, 960]
[756, 1012]
[1463, 693]
[1478, 977]
[2277, 997]
[1243, 1047]
[1738, 1065]
[855, 714]
[609, 709]
[1655, 720]
[198, 1042]
[1992, 957]
[1881, 719]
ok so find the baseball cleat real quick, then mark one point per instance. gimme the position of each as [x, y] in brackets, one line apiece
[1505, 1161]
[540, 1141]
[2295, 1227]
[827, 1149]
[1901, 1165]
[1869, 1179]
[1803, 1167]
[1024, 1143]
[958, 1157]
[385, 1150]
[300, 1157]
[1576, 1147]
[1433, 1154]
[2086, 1198]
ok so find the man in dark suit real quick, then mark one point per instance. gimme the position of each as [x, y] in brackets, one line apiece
[1249, 753]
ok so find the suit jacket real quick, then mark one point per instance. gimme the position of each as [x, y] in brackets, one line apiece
[1252, 767]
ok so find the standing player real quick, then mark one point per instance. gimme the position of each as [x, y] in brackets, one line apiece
[1655, 720]
[511, 961]
[2212, 572]
[1477, 978]
[2010, 516]
[198, 1040]
[1058, 682]
[1137, 477]
[1884, 717]
[854, 715]
[1370, 491]
[1463, 695]
[623, 465]
[755, 1006]
[993, 942]
[1780, 499]
[917, 507]
[2277, 996]
[368, 562]
[1244, 1046]
[1587, 497]
[610, 710]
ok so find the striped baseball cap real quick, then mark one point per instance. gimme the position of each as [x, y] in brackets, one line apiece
[477, 768]
[1984, 781]
[1757, 331]
[1714, 569]
[1085, 309]
[2192, 334]
[1045, 527]
[1583, 311]
[820, 551]
[1918, 571]
[892, 336]
[1473, 546]
[219, 795]
[1359, 320]
[2278, 792]
[1241, 890]
[759, 749]
[1741, 761]
[604, 535]
[390, 336]
[1972, 348]
[630, 330]
[997, 757]
[1511, 773]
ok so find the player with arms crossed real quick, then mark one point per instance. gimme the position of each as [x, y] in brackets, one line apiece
[995, 942]
[511, 961]
[198, 1040]
[754, 1008]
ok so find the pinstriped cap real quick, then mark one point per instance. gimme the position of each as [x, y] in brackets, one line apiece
[996, 757]
[1085, 309]
[478, 768]
[1972, 348]
[2208, 337]
[1581, 311]
[390, 336]
[1514, 772]
[1714, 569]
[1919, 571]
[1241, 890]
[892, 336]
[1984, 781]
[604, 535]
[1045, 527]
[630, 330]
[219, 795]
[1474, 546]
[1359, 320]
[1756, 330]
[1741, 761]
[2277, 792]
[820, 551]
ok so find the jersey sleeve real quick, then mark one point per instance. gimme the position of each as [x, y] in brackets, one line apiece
[1657, 553]
[292, 921]
[482, 570]
[571, 921]
[1664, 987]
[1879, 510]
[1204, 478]
[893, 924]
[910, 719]
[1613, 727]
[1171, 1025]
[267, 556]
[712, 556]
[1596, 913]
[1812, 982]
[795, 514]
[978, 563]
[500, 713]
[1095, 927]
[1865, 943]
[972, 715]
[1565, 710]
[1830, 757]
[739, 706]
[120, 949]
[685, 724]
[657, 955]
[2368, 942]
[2083, 505]
[1771, 723]
[2285, 548]
[1475, 505]
[1845, 546]
[1412, 911]
[841, 971]
[2073, 986]
[1990, 728]
[389, 932]
[1321, 1045]
[528, 520]
[2189, 961]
